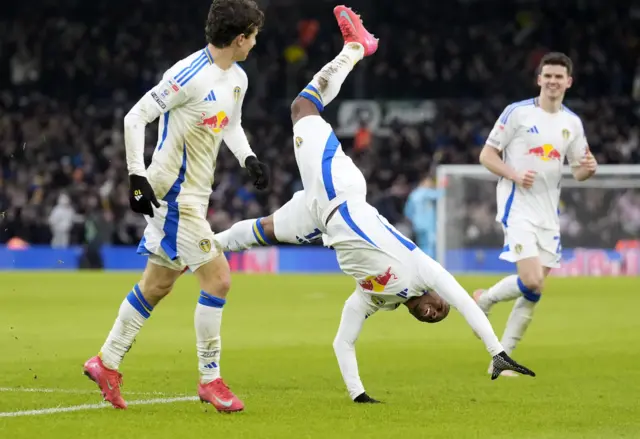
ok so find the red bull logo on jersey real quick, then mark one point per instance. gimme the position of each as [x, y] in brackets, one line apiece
[546, 152]
[215, 123]
[377, 283]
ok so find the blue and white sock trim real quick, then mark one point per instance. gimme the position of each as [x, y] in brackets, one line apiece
[529, 294]
[312, 93]
[137, 300]
[207, 299]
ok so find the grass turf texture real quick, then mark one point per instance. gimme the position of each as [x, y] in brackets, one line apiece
[277, 356]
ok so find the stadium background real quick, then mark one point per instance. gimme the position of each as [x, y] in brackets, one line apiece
[70, 70]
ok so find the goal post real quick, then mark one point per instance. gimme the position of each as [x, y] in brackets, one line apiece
[599, 222]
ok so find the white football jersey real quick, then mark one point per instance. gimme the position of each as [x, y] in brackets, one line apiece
[533, 139]
[199, 105]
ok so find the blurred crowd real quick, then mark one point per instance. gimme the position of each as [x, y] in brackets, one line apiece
[70, 70]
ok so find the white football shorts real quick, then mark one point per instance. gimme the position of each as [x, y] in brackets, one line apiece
[293, 222]
[179, 236]
[523, 240]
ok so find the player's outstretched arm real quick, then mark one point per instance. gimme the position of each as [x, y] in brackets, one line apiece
[435, 277]
[354, 313]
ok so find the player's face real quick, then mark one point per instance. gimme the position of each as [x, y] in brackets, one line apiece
[244, 45]
[554, 81]
[429, 308]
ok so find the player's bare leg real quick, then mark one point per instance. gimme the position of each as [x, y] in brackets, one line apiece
[248, 233]
[157, 281]
[215, 281]
[325, 85]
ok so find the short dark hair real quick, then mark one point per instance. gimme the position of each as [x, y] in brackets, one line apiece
[229, 18]
[556, 59]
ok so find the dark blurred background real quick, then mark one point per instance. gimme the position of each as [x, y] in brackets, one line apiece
[71, 69]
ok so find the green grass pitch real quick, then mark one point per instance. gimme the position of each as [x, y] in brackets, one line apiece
[584, 344]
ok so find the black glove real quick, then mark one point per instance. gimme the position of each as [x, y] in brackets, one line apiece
[141, 195]
[258, 171]
[363, 398]
[502, 362]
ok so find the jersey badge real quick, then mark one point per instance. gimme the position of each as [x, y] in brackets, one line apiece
[298, 141]
[205, 245]
[566, 134]
[236, 93]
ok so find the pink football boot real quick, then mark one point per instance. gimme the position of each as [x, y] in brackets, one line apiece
[353, 31]
[108, 380]
[220, 396]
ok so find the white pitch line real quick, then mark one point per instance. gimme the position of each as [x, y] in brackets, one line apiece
[73, 391]
[102, 405]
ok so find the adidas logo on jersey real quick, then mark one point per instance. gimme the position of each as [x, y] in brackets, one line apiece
[210, 97]
[533, 130]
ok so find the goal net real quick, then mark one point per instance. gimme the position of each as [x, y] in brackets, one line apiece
[599, 222]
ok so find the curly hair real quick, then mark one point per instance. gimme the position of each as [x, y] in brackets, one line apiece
[229, 18]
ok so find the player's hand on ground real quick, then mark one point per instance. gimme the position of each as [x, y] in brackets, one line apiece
[141, 195]
[258, 171]
[589, 162]
[363, 398]
[502, 362]
[526, 179]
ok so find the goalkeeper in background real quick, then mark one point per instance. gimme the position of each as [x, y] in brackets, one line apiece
[527, 149]
[420, 209]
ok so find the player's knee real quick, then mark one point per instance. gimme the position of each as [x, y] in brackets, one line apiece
[155, 288]
[302, 107]
[269, 230]
[218, 285]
